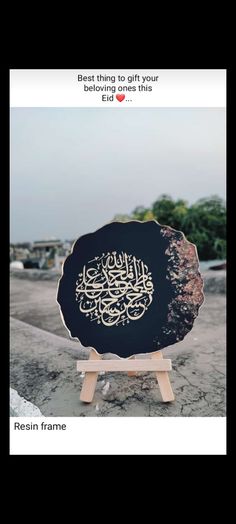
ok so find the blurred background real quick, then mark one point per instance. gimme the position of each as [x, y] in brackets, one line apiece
[73, 170]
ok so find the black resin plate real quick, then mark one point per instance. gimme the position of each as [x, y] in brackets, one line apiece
[130, 288]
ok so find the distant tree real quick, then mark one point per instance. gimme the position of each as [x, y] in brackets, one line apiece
[139, 213]
[220, 248]
[203, 223]
[163, 209]
[121, 218]
[170, 212]
[179, 212]
[149, 215]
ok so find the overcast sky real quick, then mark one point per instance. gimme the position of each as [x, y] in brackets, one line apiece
[73, 169]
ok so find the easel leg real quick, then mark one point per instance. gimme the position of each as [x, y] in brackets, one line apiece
[132, 373]
[90, 380]
[164, 381]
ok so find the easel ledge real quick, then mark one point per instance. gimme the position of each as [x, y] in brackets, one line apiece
[154, 362]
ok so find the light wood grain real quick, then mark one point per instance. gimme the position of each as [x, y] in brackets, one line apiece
[163, 379]
[161, 366]
[90, 379]
[132, 373]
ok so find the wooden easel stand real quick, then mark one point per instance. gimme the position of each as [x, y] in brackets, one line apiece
[95, 364]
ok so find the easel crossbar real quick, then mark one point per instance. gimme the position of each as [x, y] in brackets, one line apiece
[124, 365]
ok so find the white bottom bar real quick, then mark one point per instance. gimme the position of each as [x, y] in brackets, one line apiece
[122, 436]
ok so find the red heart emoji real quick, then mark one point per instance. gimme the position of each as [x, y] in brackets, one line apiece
[120, 97]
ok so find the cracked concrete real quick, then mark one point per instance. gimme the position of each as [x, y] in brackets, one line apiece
[43, 363]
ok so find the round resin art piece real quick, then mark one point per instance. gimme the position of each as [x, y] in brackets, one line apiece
[130, 288]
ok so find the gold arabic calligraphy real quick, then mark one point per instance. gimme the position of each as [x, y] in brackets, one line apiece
[114, 289]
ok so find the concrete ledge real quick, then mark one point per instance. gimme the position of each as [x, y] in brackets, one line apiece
[35, 274]
[43, 372]
[214, 281]
[19, 407]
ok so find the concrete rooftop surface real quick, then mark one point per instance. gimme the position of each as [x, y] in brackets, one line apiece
[43, 362]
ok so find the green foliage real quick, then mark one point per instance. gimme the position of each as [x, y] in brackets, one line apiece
[121, 218]
[203, 223]
[139, 213]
